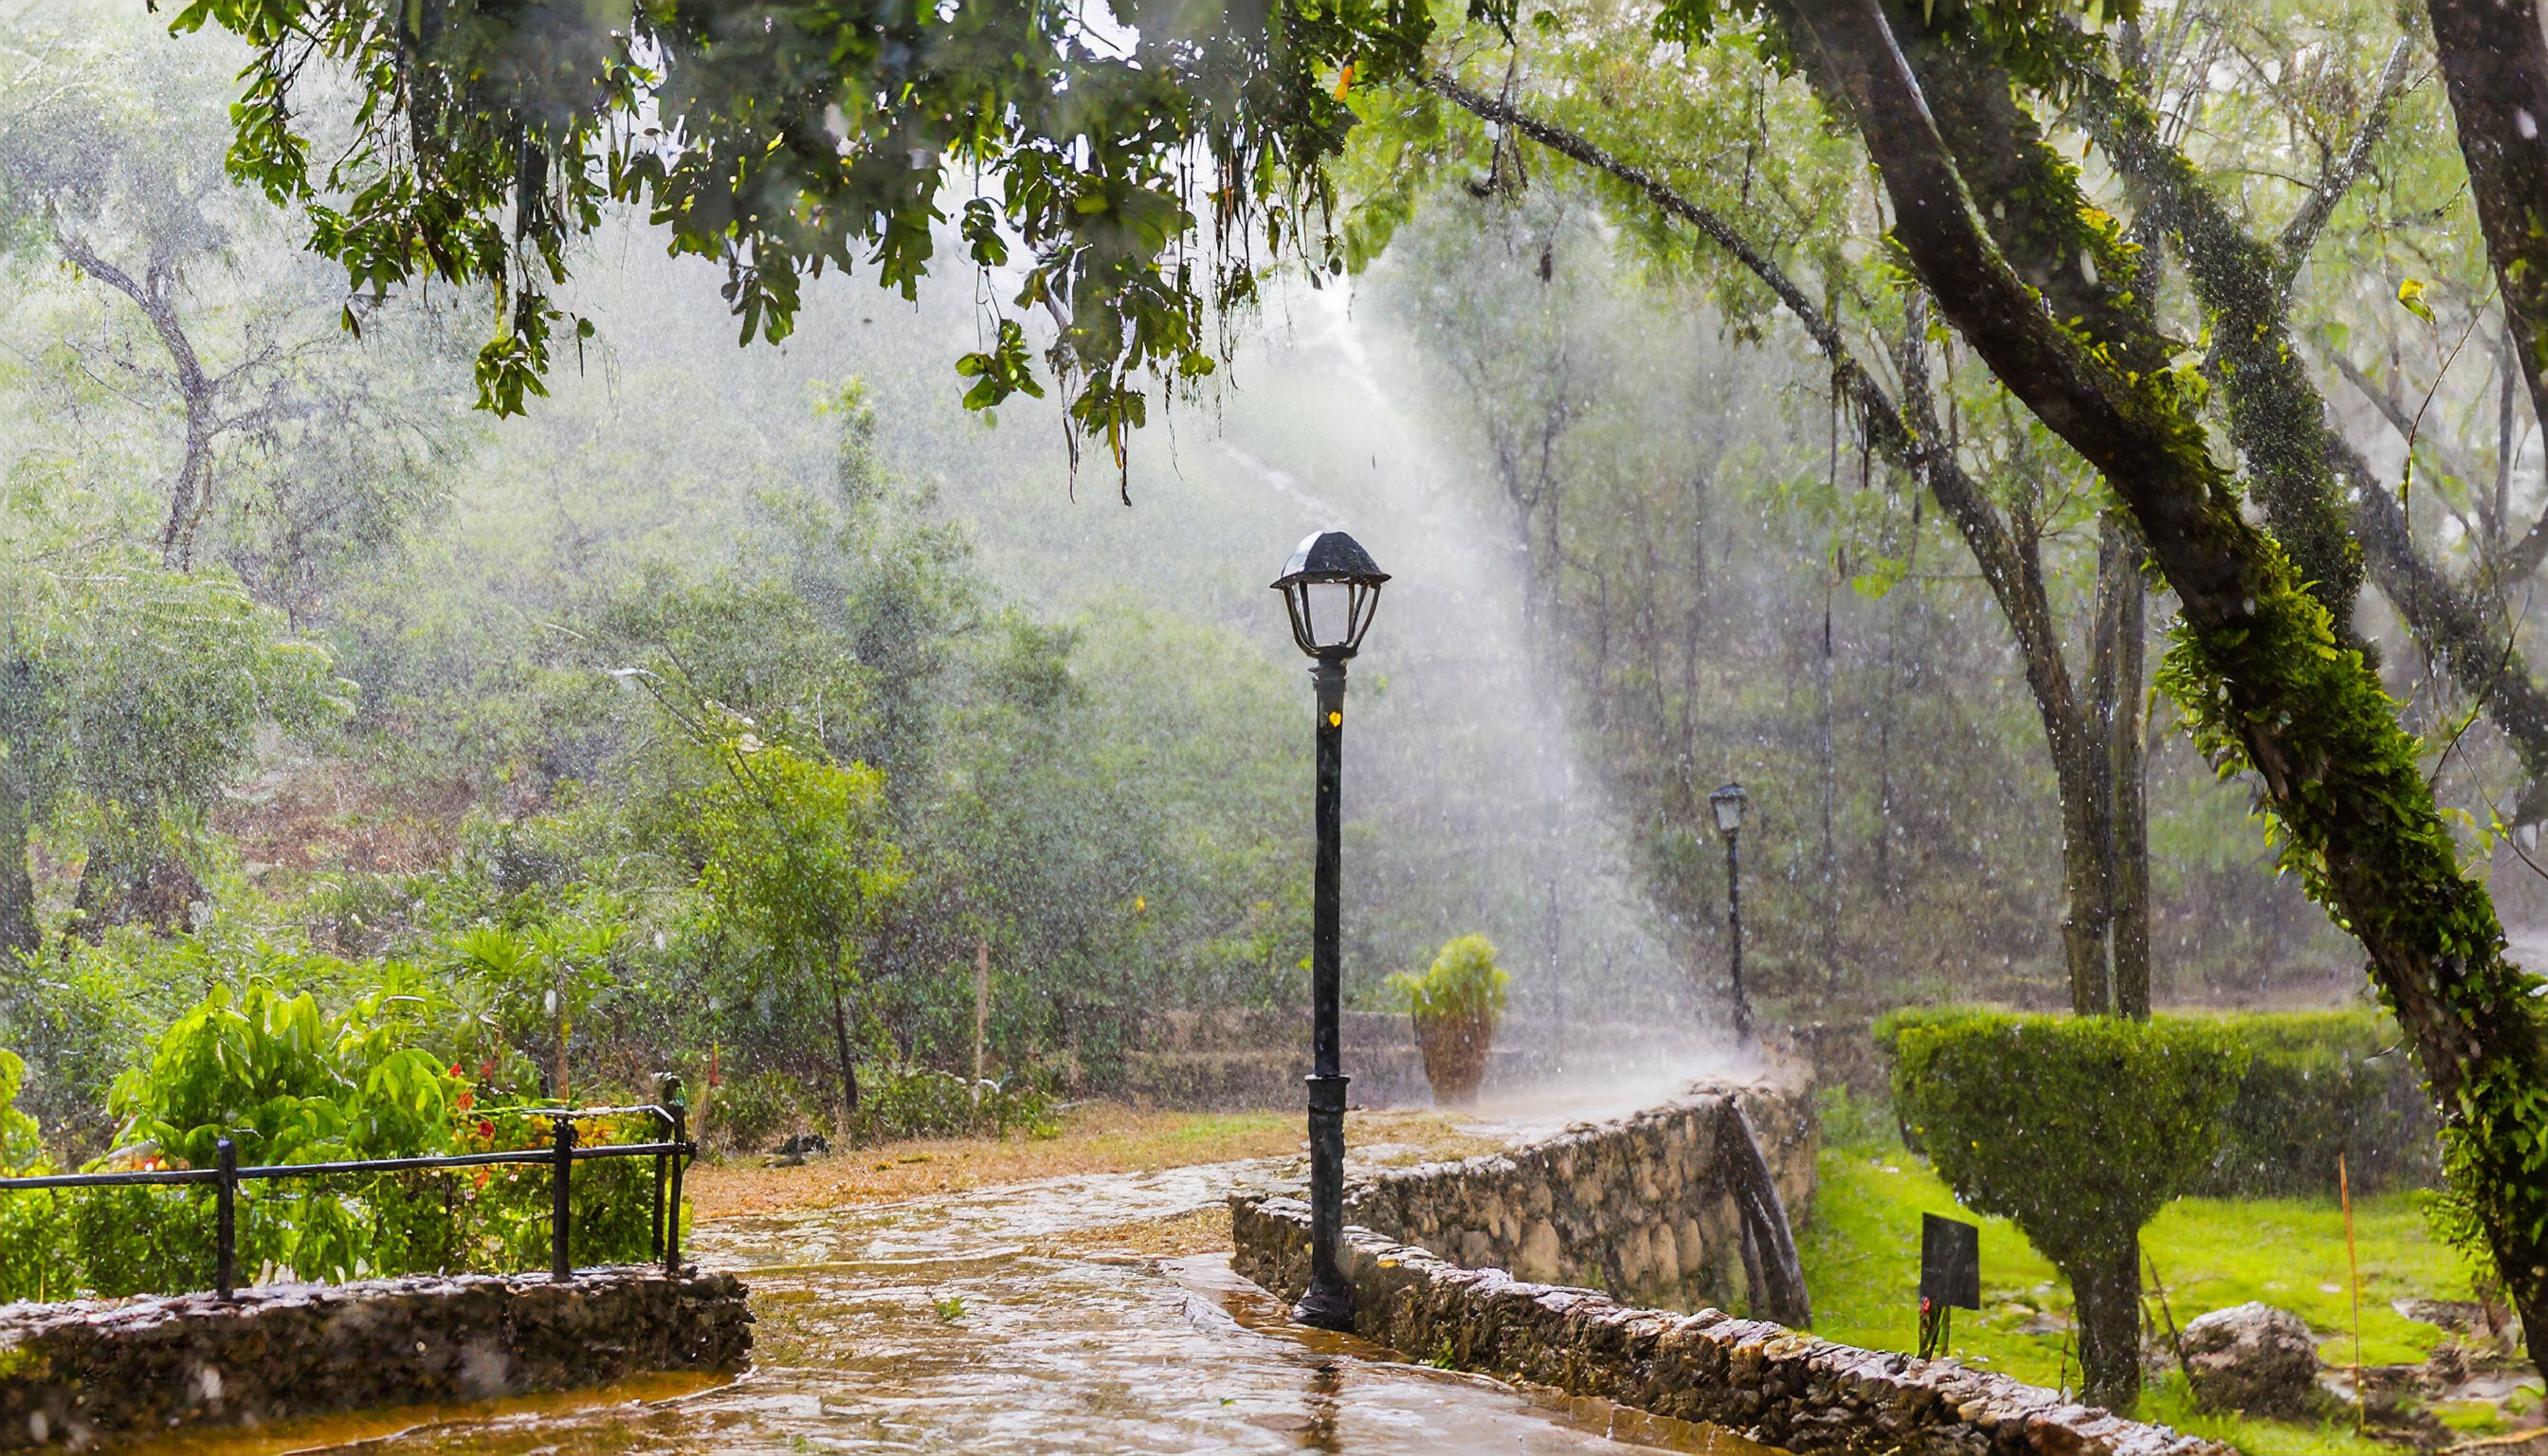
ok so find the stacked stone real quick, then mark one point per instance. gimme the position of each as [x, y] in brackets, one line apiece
[1777, 1385]
[70, 1372]
[1638, 1206]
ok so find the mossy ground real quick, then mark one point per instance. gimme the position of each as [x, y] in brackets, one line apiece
[1860, 1250]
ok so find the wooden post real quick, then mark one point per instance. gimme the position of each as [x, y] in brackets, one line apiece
[2344, 1187]
[982, 1008]
[672, 1195]
[561, 1217]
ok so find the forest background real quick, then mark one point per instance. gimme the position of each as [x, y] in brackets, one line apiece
[748, 703]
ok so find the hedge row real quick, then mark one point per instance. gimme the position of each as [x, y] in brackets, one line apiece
[2317, 1083]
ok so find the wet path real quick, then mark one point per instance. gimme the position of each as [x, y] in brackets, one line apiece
[1025, 1320]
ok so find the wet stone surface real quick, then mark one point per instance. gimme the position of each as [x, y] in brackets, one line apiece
[1015, 1320]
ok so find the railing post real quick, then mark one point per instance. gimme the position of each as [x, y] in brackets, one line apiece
[226, 1219]
[664, 1083]
[672, 1195]
[561, 1267]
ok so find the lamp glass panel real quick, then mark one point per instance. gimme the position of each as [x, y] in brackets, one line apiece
[1329, 607]
[1729, 812]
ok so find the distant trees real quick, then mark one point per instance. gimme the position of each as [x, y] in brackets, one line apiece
[283, 448]
[128, 694]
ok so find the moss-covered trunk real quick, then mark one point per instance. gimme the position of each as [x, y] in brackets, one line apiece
[2267, 683]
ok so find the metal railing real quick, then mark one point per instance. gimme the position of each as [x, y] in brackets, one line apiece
[670, 1154]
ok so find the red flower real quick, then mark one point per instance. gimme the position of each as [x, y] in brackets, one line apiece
[463, 1101]
[487, 1069]
[485, 1128]
[455, 1069]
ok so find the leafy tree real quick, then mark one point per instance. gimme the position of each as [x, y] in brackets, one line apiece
[2080, 1131]
[290, 454]
[128, 693]
[796, 859]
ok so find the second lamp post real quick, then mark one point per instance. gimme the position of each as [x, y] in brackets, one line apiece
[1331, 587]
[1729, 802]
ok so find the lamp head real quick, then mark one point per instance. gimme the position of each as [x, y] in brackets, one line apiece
[1729, 803]
[1331, 587]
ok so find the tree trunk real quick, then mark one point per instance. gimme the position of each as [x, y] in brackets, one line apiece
[848, 1068]
[2115, 705]
[2105, 1289]
[2086, 822]
[18, 934]
[2266, 683]
[2129, 879]
[1829, 860]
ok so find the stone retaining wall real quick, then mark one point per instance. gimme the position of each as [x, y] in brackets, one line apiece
[1639, 1207]
[70, 1372]
[1777, 1385]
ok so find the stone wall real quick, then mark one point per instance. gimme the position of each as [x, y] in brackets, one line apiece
[1777, 1385]
[1225, 1059]
[1639, 1207]
[70, 1372]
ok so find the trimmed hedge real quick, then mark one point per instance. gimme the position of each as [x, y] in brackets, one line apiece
[2078, 1130]
[2317, 1083]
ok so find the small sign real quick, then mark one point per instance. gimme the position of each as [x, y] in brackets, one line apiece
[1950, 1263]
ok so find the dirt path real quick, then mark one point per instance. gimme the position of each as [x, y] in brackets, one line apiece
[1094, 1138]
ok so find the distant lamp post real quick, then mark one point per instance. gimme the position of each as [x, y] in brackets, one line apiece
[1730, 804]
[1331, 587]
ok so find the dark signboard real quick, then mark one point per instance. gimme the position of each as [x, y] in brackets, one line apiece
[1950, 1263]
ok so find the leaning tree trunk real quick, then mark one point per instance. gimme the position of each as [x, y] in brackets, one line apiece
[2267, 683]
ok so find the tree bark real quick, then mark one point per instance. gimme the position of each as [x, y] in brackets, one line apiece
[2494, 64]
[18, 929]
[2267, 683]
[2106, 1285]
[2116, 700]
[841, 1044]
[18, 933]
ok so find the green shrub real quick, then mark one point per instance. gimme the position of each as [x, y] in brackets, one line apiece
[2078, 1130]
[935, 1104]
[2317, 1083]
[290, 1084]
[1463, 981]
[747, 1113]
[2321, 1084]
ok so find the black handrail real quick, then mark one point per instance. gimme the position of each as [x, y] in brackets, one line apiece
[561, 1156]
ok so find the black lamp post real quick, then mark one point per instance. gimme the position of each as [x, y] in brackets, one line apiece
[1331, 587]
[1729, 803]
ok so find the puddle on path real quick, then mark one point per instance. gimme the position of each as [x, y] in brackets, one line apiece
[972, 1323]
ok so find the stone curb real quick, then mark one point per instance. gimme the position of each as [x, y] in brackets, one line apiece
[71, 1372]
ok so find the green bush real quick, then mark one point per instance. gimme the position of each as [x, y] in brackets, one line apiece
[747, 1113]
[2321, 1084]
[289, 1084]
[1463, 981]
[935, 1103]
[2317, 1083]
[2078, 1129]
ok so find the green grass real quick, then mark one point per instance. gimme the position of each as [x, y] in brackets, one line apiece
[1861, 1258]
[1213, 1127]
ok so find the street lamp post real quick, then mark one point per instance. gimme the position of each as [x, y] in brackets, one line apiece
[1331, 587]
[1729, 803]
